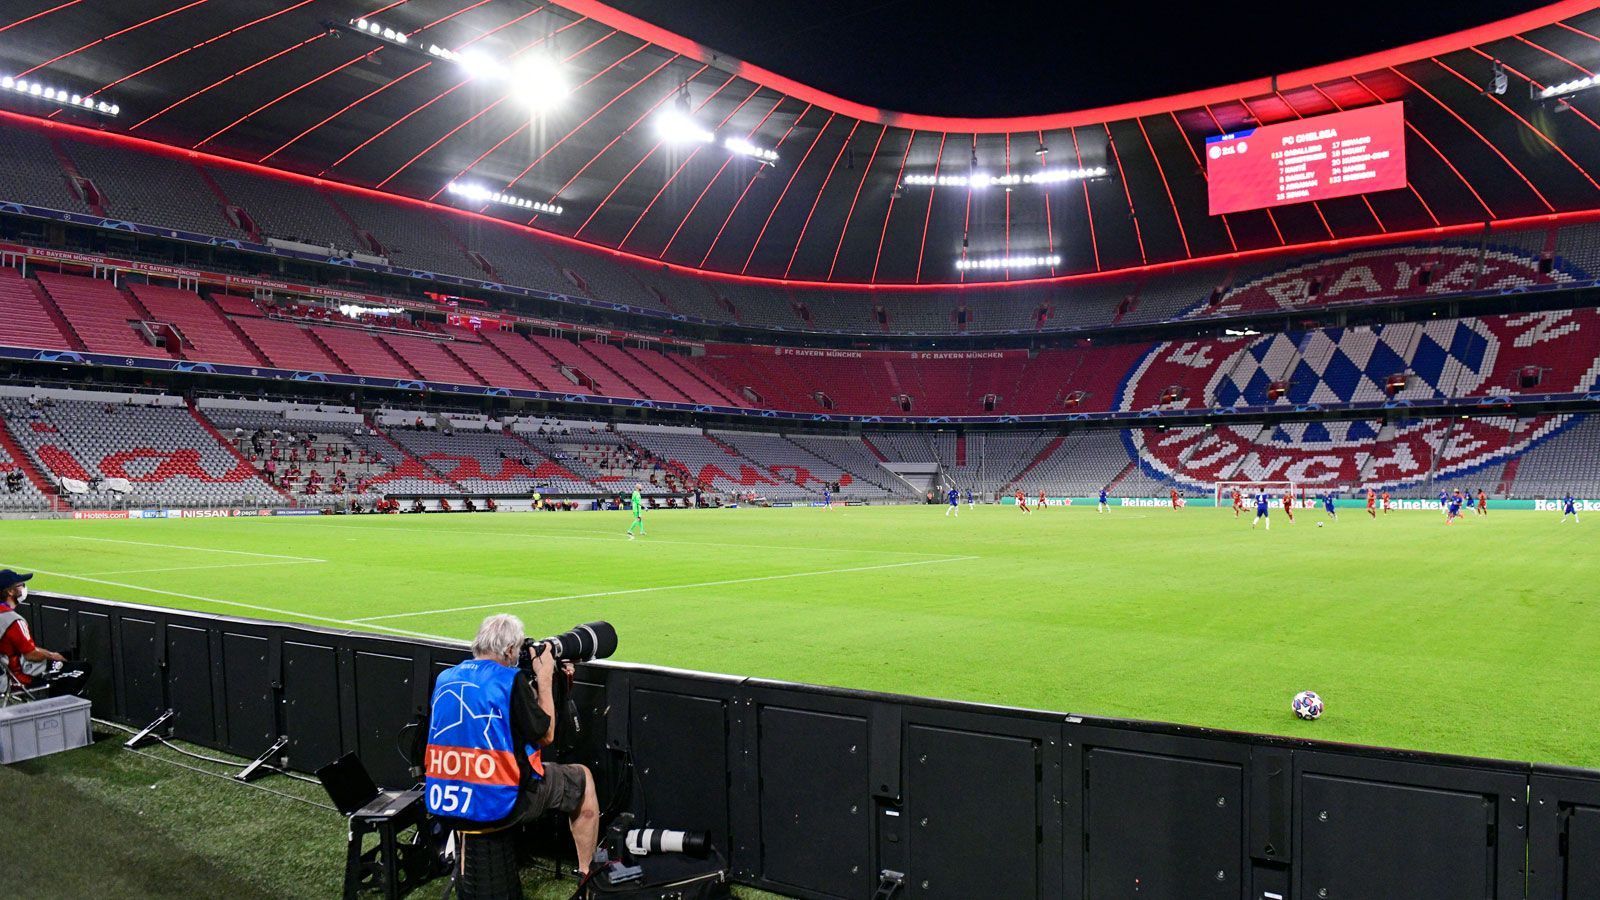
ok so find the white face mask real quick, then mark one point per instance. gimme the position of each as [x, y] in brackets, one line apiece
[22, 593]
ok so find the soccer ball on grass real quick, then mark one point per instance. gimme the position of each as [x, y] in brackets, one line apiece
[1307, 705]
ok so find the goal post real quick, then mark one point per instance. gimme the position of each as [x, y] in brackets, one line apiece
[1224, 491]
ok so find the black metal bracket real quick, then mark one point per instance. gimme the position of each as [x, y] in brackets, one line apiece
[148, 734]
[260, 766]
[889, 884]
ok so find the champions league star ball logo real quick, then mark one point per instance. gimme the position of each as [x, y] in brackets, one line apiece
[1475, 357]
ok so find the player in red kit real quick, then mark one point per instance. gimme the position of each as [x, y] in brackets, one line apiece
[1238, 502]
[1174, 493]
[1043, 501]
[1022, 502]
[1385, 502]
[1372, 503]
[1288, 506]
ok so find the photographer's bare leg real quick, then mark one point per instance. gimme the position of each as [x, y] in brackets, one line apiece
[585, 823]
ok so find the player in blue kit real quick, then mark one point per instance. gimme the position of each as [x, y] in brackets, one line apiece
[1327, 505]
[1263, 509]
[1104, 505]
[827, 499]
[1444, 503]
[954, 496]
[972, 502]
[1452, 511]
[1569, 507]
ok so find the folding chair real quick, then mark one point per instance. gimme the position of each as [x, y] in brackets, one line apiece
[12, 690]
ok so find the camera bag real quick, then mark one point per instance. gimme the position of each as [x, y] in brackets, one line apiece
[668, 876]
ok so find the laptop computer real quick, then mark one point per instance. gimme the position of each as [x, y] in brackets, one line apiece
[352, 790]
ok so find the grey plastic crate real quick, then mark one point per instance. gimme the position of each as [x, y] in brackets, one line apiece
[28, 730]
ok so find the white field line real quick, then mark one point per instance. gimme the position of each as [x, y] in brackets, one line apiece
[665, 587]
[620, 536]
[249, 565]
[286, 614]
[75, 537]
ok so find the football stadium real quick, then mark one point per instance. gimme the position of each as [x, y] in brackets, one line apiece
[926, 492]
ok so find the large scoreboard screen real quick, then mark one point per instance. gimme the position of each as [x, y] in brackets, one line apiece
[1337, 155]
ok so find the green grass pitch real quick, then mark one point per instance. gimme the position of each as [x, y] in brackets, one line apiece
[1480, 638]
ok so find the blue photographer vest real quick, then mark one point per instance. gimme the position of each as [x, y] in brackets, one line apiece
[470, 763]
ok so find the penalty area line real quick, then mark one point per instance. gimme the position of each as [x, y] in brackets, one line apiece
[249, 565]
[240, 605]
[75, 537]
[613, 537]
[664, 587]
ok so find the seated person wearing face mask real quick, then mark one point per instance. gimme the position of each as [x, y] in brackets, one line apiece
[44, 673]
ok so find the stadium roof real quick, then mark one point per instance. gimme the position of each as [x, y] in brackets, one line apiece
[272, 83]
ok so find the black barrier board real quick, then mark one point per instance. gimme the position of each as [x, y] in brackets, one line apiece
[817, 792]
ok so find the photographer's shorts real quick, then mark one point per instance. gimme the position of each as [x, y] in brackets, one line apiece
[561, 789]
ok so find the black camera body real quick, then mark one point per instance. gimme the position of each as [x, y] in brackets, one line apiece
[591, 640]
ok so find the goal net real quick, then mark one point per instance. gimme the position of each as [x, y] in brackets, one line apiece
[1249, 489]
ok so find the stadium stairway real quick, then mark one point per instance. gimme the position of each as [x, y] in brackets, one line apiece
[1508, 476]
[51, 309]
[329, 351]
[364, 354]
[233, 451]
[1038, 459]
[77, 179]
[664, 369]
[549, 466]
[573, 365]
[23, 461]
[635, 373]
[697, 376]
[98, 312]
[138, 306]
[29, 321]
[207, 335]
[612, 375]
[407, 458]
[233, 210]
[521, 354]
[880, 478]
[728, 448]
[429, 358]
[671, 465]
[246, 340]
[1122, 476]
[487, 364]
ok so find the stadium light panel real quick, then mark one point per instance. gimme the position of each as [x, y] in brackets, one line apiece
[49, 93]
[1007, 262]
[677, 127]
[741, 147]
[537, 82]
[476, 64]
[482, 194]
[1568, 87]
[980, 180]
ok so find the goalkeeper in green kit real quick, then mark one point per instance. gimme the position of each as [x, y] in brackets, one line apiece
[636, 503]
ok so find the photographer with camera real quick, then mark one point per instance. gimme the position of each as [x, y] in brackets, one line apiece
[490, 718]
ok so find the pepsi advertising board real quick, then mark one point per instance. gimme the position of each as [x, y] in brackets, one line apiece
[1337, 155]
